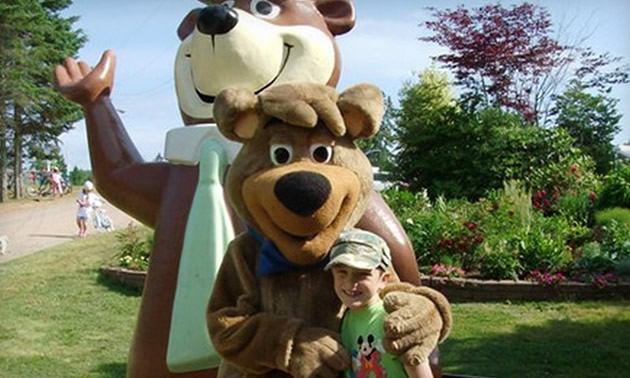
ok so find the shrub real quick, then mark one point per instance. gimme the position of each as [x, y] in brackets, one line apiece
[615, 191]
[567, 184]
[544, 246]
[501, 261]
[616, 240]
[135, 245]
[622, 268]
[503, 236]
[594, 259]
[617, 214]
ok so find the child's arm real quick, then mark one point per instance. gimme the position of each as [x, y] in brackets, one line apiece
[81, 201]
[419, 371]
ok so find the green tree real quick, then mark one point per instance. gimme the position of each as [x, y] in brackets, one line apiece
[380, 148]
[592, 120]
[463, 149]
[35, 37]
[426, 122]
[78, 176]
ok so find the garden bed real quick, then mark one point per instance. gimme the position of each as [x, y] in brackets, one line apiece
[126, 277]
[475, 290]
[459, 289]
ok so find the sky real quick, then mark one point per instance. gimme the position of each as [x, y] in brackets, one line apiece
[383, 49]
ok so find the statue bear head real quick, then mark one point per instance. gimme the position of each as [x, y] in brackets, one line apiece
[255, 44]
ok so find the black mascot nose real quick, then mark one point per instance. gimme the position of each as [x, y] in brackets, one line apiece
[216, 19]
[302, 192]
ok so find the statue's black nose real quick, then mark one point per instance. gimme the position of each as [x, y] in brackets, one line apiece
[216, 19]
[303, 192]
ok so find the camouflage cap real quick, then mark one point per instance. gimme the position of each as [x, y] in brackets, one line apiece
[361, 250]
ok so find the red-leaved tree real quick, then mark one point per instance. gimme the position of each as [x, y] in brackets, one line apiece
[503, 54]
[509, 57]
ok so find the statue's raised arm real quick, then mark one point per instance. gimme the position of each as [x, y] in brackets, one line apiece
[120, 173]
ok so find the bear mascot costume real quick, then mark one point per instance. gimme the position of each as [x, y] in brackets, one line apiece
[254, 44]
[299, 181]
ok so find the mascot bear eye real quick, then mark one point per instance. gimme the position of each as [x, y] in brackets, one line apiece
[264, 9]
[281, 154]
[321, 153]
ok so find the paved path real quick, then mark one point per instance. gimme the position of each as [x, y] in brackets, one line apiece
[35, 225]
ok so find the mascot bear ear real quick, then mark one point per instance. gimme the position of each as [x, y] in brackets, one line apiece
[236, 112]
[362, 109]
[188, 24]
[338, 14]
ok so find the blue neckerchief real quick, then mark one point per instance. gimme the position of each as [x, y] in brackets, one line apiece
[271, 260]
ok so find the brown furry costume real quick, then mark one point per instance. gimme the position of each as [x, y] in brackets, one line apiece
[298, 182]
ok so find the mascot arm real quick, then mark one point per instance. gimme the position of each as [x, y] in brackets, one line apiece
[120, 172]
[255, 341]
[259, 342]
[116, 162]
[418, 318]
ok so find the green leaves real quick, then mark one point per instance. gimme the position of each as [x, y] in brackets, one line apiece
[35, 38]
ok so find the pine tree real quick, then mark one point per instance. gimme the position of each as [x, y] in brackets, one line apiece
[35, 38]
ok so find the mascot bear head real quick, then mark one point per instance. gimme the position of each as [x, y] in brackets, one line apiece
[299, 180]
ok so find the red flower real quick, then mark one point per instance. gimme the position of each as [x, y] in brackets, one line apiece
[573, 168]
[592, 196]
[479, 239]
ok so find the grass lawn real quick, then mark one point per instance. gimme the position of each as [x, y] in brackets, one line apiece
[59, 319]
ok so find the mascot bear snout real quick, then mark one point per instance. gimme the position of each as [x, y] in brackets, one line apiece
[303, 192]
[216, 19]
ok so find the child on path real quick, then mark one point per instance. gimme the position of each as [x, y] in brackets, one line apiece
[361, 266]
[85, 199]
[55, 182]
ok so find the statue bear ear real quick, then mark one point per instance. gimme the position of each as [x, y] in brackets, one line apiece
[338, 14]
[188, 24]
[362, 109]
[236, 112]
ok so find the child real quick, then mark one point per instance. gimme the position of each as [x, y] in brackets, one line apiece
[85, 199]
[360, 262]
[55, 182]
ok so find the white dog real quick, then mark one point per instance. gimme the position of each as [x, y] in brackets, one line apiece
[4, 244]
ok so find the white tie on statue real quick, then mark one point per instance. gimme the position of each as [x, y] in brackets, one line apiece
[208, 232]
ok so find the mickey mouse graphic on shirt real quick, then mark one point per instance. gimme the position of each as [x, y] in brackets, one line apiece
[367, 359]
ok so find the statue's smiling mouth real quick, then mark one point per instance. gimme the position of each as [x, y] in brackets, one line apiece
[287, 53]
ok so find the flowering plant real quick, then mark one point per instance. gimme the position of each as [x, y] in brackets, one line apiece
[442, 270]
[599, 280]
[135, 245]
[545, 278]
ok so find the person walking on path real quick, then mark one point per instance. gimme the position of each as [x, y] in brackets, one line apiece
[85, 199]
[55, 183]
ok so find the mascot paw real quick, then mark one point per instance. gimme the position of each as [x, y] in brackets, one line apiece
[418, 318]
[317, 352]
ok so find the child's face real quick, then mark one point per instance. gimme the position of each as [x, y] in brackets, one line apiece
[357, 288]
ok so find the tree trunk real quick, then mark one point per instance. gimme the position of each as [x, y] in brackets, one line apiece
[17, 149]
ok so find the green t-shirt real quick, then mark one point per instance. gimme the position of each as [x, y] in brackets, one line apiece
[362, 334]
